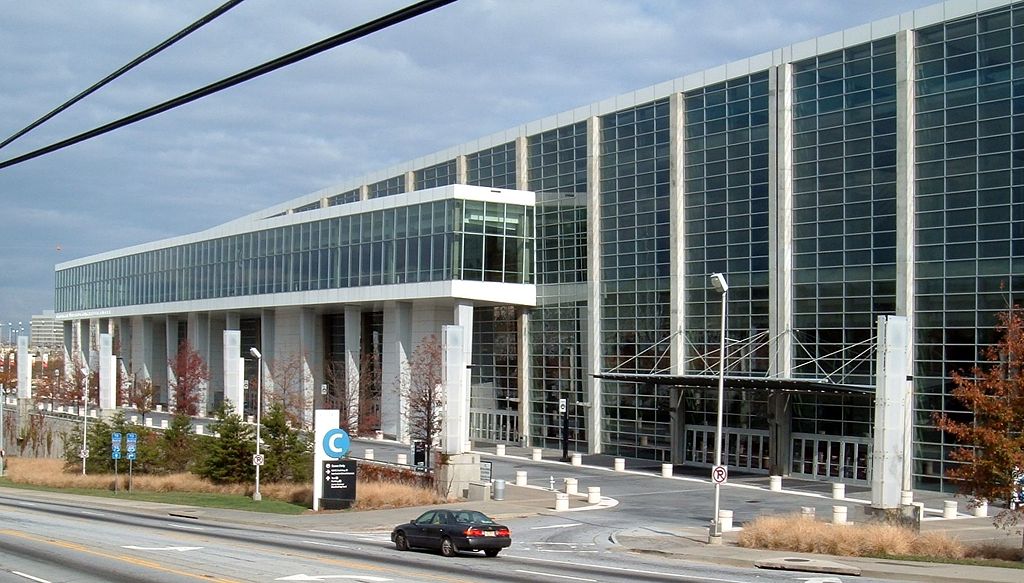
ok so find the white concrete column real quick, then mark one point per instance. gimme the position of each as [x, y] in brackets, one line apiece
[108, 372]
[677, 268]
[453, 439]
[410, 181]
[311, 358]
[592, 331]
[233, 369]
[522, 164]
[905, 208]
[68, 346]
[142, 348]
[171, 344]
[780, 220]
[24, 369]
[353, 352]
[524, 374]
[891, 401]
[268, 335]
[461, 169]
[199, 338]
[396, 350]
[463, 317]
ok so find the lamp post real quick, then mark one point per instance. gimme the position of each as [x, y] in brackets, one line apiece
[85, 419]
[3, 399]
[715, 533]
[256, 496]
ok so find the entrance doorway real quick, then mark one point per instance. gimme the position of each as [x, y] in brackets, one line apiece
[742, 449]
[827, 457]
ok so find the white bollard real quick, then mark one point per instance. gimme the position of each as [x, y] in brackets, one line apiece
[561, 502]
[94, 414]
[725, 519]
[620, 464]
[134, 419]
[402, 459]
[520, 477]
[577, 459]
[775, 483]
[981, 510]
[593, 494]
[807, 511]
[368, 454]
[906, 497]
[163, 424]
[571, 486]
[949, 509]
[666, 470]
[250, 419]
[838, 515]
[200, 429]
[149, 421]
[537, 453]
[838, 491]
[159, 408]
[499, 449]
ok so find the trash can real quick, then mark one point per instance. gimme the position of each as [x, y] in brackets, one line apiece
[499, 489]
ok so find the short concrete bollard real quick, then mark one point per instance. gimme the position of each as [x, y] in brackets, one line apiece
[981, 510]
[725, 519]
[666, 470]
[499, 449]
[402, 458]
[250, 419]
[807, 511]
[775, 483]
[520, 477]
[163, 424]
[368, 454]
[571, 486]
[200, 429]
[561, 502]
[838, 515]
[149, 422]
[159, 408]
[838, 491]
[593, 494]
[620, 464]
[134, 419]
[949, 509]
[906, 497]
[537, 454]
[577, 459]
[499, 490]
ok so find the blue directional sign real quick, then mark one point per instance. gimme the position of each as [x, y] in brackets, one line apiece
[115, 455]
[336, 443]
[132, 440]
[131, 455]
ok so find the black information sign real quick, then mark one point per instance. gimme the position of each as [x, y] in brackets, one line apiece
[339, 484]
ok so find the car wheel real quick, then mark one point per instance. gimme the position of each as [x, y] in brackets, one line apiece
[448, 547]
[401, 543]
[492, 552]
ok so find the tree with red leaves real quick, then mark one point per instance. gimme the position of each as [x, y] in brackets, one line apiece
[992, 432]
[189, 375]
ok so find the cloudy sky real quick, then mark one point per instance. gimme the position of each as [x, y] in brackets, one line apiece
[462, 72]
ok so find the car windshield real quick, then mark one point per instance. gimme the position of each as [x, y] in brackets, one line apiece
[471, 517]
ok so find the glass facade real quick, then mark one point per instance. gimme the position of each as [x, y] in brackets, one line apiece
[438, 175]
[557, 162]
[409, 244]
[494, 167]
[634, 206]
[965, 153]
[844, 207]
[969, 208]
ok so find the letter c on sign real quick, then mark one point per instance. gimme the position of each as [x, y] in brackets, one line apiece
[336, 443]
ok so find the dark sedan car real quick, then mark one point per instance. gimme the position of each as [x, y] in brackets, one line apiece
[451, 531]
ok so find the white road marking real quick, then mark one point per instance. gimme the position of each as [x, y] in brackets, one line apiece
[28, 504]
[333, 546]
[90, 513]
[27, 576]
[176, 525]
[554, 575]
[567, 525]
[304, 577]
[179, 549]
[628, 570]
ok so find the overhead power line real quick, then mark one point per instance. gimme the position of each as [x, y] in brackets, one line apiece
[352, 34]
[131, 65]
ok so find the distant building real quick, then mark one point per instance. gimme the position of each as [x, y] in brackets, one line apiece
[46, 330]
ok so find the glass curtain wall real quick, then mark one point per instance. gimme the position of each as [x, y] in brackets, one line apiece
[389, 187]
[494, 167]
[969, 208]
[438, 175]
[635, 241]
[557, 163]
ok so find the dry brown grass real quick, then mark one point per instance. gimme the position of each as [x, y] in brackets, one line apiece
[803, 534]
[369, 495]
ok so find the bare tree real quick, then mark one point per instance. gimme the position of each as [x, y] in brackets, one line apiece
[141, 395]
[421, 387]
[291, 387]
[369, 386]
[341, 395]
[189, 375]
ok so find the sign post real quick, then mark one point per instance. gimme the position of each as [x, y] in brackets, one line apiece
[563, 408]
[334, 478]
[132, 440]
[115, 453]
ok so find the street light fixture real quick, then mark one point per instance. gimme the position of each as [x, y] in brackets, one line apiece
[715, 533]
[256, 496]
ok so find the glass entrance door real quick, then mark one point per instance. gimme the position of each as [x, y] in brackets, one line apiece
[827, 457]
[742, 449]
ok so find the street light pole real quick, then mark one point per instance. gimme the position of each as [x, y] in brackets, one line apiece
[722, 287]
[256, 496]
[3, 400]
